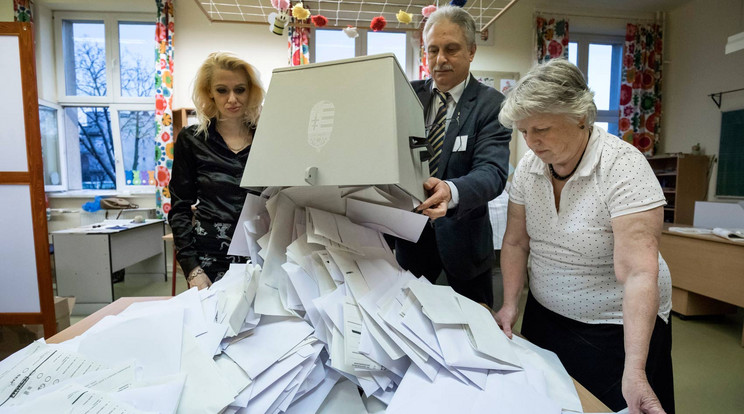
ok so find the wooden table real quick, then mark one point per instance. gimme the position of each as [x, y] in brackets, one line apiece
[707, 273]
[589, 402]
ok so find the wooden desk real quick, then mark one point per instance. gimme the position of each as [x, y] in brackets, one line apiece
[589, 402]
[707, 273]
[85, 258]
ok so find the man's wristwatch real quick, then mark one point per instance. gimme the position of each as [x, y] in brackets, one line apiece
[194, 273]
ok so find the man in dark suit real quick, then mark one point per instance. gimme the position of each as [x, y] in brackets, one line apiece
[470, 163]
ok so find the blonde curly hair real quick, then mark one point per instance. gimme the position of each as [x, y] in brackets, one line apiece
[205, 107]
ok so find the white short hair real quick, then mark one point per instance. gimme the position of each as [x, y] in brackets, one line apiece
[555, 87]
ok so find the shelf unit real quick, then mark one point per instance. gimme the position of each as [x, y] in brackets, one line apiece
[684, 180]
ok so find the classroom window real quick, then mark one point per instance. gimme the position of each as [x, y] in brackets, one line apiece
[333, 44]
[106, 88]
[600, 59]
[84, 46]
[137, 69]
[52, 151]
[135, 128]
[388, 42]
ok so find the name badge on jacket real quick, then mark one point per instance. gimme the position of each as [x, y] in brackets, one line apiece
[461, 143]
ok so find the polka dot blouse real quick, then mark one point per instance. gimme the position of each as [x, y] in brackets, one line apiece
[571, 268]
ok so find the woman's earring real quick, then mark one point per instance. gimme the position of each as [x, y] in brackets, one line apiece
[582, 126]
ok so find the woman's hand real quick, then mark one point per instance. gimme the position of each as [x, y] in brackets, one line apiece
[198, 278]
[506, 317]
[638, 393]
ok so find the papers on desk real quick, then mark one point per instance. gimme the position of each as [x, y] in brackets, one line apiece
[108, 226]
[690, 230]
[329, 312]
[730, 235]
[735, 235]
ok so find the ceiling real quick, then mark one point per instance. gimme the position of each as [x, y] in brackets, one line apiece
[347, 12]
[361, 12]
[341, 13]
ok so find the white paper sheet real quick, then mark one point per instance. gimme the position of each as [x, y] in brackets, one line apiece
[311, 401]
[393, 221]
[154, 342]
[41, 366]
[272, 338]
[77, 399]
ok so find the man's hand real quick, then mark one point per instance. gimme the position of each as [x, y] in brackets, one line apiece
[439, 196]
[638, 393]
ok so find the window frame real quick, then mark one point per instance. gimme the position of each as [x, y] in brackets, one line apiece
[113, 99]
[582, 41]
[360, 46]
[61, 148]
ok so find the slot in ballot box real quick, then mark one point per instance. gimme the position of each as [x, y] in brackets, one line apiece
[345, 122]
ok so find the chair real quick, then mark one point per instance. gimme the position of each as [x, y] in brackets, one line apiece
[169, 238]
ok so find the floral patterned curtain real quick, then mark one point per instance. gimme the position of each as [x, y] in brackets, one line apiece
[640, 93]
[552, 39]
[22, 11]
[163, 104]
[299, 45]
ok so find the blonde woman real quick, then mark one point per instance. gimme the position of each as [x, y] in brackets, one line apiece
[208, 164]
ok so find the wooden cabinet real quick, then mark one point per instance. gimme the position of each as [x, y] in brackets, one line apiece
[684, 179]
[182, 117]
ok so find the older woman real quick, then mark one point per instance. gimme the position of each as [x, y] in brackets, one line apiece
[586, 210]
[208, 164]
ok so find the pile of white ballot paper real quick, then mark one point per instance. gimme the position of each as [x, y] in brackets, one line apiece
[323, 320]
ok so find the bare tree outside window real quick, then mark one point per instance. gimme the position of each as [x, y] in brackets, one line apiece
[136, 128]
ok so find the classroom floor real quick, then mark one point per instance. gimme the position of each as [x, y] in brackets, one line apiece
[707, 353]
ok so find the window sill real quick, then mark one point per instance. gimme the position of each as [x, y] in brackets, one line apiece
[150, 192]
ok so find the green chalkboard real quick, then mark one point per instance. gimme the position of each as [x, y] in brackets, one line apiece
[730, 181]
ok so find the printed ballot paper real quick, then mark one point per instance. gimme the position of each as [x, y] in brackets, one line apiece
[328, 314]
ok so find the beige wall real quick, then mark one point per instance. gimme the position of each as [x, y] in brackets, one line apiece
[696, 66]
[6, 11]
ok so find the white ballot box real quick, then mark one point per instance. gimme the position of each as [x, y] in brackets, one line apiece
[345, 122]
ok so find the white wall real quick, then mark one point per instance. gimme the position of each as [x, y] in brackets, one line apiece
[697, 66]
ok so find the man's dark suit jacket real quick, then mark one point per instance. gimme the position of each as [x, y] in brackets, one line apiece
[464, 235]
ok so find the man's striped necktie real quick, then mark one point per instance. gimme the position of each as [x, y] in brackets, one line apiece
[437, 130]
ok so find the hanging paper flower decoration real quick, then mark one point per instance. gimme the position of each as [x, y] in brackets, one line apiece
[428, 10]
[280, 4]
[351, 32]
[299, 12]
[458, 3]
[404, 17]
[378, 23]
[319, 20]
